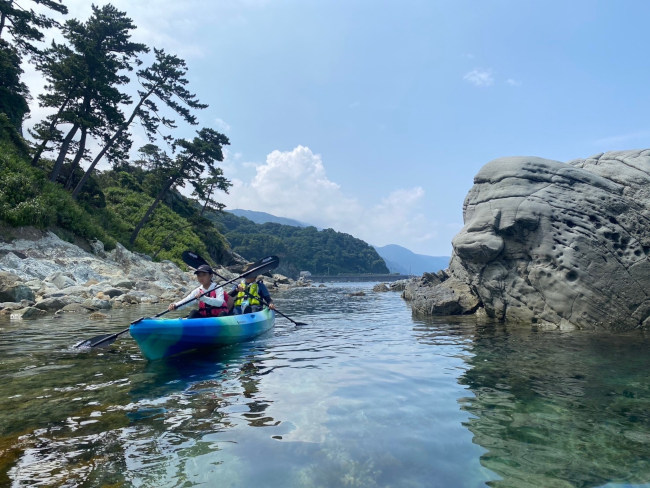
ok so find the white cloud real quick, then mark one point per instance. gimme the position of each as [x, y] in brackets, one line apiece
[513, 82]
[221, 125]
[294, 184]
[479, 77]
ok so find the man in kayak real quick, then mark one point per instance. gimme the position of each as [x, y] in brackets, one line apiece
[250, 296]
[212, 300]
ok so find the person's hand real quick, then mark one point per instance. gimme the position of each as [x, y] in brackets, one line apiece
[272, 306]
[172, 306]
[241, 287]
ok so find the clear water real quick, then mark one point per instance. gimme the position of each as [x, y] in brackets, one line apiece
[363, 396]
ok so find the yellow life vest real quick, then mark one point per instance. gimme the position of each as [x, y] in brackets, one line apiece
[250, 292]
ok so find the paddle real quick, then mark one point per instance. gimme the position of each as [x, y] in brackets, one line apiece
[265, 264]
[193, 260]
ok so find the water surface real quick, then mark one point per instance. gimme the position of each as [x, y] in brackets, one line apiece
[363, 396]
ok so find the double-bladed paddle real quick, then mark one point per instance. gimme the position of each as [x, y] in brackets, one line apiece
[265, 264]
[193, 260]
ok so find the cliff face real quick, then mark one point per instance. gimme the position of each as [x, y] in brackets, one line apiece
[557, 244]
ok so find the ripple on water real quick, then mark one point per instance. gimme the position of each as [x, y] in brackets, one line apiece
[364, 395]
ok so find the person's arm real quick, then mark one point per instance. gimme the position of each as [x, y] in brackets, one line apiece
[182, 303]
[264, 293]
[217, 301]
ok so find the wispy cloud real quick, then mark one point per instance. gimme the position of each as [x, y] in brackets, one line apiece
[221, 125]
[639, 135]
[479, 77]
[513, 82]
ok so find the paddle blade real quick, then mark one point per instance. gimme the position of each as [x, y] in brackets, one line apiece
[100, 340]
[263, 265]
[97, 341]
[192, 259]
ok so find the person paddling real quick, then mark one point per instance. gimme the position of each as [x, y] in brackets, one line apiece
[212, 300]
[250, 296]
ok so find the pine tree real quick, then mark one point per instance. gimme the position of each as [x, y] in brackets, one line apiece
[84, 76]
[164, 80]
[20, 28]
[24, 26]
[204, 190]
[196, 156]
[13, 92]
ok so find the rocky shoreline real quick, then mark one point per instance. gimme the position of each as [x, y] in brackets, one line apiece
[41, 274]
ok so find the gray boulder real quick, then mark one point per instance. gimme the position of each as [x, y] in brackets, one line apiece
[73, 307]
[53, 304]
[559, 245]
[28, 313]
[97, 303]
[61, 280]
[12, 289]
[451, 297]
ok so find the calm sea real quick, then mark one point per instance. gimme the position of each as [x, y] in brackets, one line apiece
[365, 395]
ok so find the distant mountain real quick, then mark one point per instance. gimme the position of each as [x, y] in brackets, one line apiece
[263, 217]
[301, 248]
[398, 259]
[401, 260]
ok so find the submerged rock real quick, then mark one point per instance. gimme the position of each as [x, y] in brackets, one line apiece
[555, 244]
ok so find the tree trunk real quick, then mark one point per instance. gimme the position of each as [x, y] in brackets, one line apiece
[63, 152]
[41, 147]
[150, 210]
[108, 145]
[2, 23]
[77, 158]
[207, 201]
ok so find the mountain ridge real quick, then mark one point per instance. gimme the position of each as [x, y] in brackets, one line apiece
[263, 218]
[398, 259]
[404, 261]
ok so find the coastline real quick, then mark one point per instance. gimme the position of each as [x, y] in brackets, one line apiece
[42, 274]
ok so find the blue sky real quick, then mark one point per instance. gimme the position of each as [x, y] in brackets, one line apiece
[372, 117]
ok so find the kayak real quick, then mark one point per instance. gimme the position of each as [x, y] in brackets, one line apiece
[159, 338]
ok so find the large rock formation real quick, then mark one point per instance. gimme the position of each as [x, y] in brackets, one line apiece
[556, 244]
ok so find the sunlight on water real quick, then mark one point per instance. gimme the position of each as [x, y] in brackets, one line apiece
[362, 396]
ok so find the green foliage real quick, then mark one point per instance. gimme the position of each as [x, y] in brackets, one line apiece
[10, 136]
[23, 25]
[27, 198]
[167, 234]
[13, 92]
[196, 156]
[84, 76]
[303, 248]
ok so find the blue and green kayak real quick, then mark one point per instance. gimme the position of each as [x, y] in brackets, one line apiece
[159, 338]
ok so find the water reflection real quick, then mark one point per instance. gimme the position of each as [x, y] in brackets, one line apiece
[139, 421]
[555, 408]
[363, 396]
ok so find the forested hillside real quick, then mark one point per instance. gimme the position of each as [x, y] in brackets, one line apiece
[303, 248]
[98, 85]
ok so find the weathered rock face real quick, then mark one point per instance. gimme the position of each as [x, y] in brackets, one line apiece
[559, 244]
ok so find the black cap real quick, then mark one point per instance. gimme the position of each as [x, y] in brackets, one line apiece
[204, 268]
